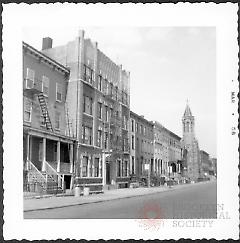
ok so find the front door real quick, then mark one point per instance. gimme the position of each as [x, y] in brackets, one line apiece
[67, 181]
[108, 173]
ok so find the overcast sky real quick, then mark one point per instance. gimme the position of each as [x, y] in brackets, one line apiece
[168, 65]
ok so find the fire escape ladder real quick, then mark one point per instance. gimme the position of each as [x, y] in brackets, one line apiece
[45, 113]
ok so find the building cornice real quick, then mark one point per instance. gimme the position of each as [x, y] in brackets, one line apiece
[45, 58]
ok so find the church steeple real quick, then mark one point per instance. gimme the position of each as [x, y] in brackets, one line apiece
[190, 145]
[188, 123]
[187, 112]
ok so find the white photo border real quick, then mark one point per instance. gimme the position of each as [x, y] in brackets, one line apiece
[17, 16]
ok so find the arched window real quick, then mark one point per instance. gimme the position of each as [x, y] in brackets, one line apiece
[187, 126]
[191, 126]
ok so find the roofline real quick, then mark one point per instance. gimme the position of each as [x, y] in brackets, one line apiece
[140, 117]
[63, 68]
[172, 133]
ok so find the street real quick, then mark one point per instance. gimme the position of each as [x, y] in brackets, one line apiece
[193, 201]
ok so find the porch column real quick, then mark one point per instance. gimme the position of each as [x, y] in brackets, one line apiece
[93, 167]
[99, 167]
[154, 166]
[104, 169]
[28, 154]
[160, 166]
[130, 165]
[81, 162]
[44, 155]
[71, 158]
[63, 184]
[121, 168]
[88, 166]
[58, 156]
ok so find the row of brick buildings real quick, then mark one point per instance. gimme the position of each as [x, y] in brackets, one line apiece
[78, 128]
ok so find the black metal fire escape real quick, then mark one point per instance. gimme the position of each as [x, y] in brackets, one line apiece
[44, 109]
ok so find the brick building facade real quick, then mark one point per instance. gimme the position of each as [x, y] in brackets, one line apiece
[167, 152]
[98, 99]
[141, 146]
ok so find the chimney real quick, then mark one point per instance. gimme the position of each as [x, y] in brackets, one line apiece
[46, 43]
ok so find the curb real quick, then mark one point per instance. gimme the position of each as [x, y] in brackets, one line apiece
[111, 199]
[98, 201]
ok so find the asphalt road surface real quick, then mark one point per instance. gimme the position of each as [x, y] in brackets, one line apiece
[194, 201]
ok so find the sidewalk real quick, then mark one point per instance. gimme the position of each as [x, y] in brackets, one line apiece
[66, 201]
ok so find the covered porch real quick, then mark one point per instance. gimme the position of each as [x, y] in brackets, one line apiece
[50, 154]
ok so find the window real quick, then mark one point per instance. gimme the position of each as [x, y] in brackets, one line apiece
[96, 167]
[84, 166]
[144, 130]
[116, 94]
[58, 92]
[132, 123]
[91, 172]
[137, 146]
[57, 120]
[45, 85]
[86, 135]
[99, 138]
[106, 114]
[132, 142]
[88, 74]
[99, 110]
[126, 99]
[111, 89]
[125, 168]
[111, 112]
[106, 86]
[111, 139]
[99, 85]
[106, 140]
[119, 168]
[27, 110]
[42, 121]
[30, 78]
[87, 104]
[136, 125]
[125, 122]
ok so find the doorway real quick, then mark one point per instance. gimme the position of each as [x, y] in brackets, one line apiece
[67, 181]
[108, 173]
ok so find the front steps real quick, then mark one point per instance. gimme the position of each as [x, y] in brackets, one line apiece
[39, 182]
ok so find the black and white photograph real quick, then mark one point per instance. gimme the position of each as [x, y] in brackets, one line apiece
[82, 136]
[124, 122]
